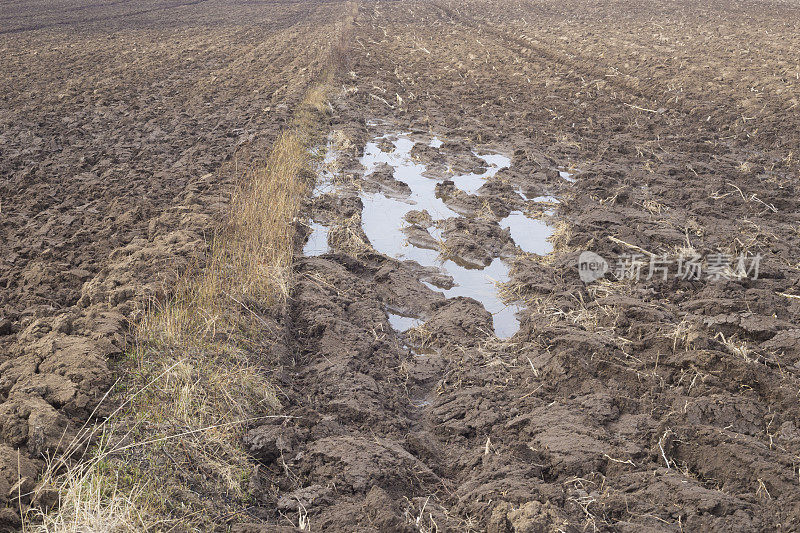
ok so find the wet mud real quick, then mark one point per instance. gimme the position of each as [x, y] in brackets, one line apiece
[421, 218]
[663, 405]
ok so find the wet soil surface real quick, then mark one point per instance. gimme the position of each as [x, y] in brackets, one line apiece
[435, 205]
[660, 405]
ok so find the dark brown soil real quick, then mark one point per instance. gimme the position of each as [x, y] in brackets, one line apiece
[123, 126]
[650, 406]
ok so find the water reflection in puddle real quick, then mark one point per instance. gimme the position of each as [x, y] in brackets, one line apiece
[548, 199]
[423, 191]
[383, 217]
[529, 234]
[470, 183]
[482, 286]
[402, 323]
[317, 243]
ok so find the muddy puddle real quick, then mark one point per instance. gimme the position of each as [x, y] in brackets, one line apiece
[470, 183]
[401, 186]
[401, 322]
[317, 243]
[384, 216]
[528, 233]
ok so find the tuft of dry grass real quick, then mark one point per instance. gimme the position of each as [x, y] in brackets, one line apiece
[89, 498]
[560, 239]
[91, 501]
[421, 336]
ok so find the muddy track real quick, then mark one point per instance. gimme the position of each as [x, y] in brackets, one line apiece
[615, 407]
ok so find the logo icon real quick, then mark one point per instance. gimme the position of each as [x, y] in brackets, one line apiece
[591, 267]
